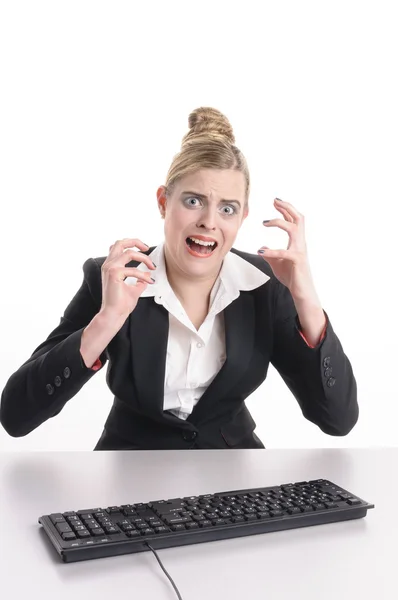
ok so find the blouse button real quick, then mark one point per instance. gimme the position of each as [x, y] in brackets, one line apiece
[199, 345]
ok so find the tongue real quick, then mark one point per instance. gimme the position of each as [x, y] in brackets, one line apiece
[201, 249]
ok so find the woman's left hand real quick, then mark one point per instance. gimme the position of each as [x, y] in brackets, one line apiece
[290, 266]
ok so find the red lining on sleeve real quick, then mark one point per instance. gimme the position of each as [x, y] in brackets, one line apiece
[97, 365]
[322, 335]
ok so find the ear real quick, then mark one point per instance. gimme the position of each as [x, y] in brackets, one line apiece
[162, 200]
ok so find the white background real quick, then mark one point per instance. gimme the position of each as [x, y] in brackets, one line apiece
[95, 100]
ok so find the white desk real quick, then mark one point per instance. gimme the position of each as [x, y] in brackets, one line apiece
[340, 561]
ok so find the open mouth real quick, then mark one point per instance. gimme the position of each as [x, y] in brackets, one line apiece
[199, 248]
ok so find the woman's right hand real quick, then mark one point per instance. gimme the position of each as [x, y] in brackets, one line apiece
[118, 298]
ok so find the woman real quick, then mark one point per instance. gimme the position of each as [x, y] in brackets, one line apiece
[190, 326]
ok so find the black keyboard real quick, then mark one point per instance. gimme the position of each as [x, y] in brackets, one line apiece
[99, 532]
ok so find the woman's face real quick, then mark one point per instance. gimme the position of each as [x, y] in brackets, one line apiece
[208, 205]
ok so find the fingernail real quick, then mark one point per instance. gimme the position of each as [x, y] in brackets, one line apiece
[153, 279]
[279, 200]
[267, 221]
[154, 264]
[261, 251]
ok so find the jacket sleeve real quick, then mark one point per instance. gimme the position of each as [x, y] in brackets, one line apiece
[320, 378]
[55, 372]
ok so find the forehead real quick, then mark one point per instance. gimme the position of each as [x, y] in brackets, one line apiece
[225, 183]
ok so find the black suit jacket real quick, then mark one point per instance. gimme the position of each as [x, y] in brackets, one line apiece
[261, 327]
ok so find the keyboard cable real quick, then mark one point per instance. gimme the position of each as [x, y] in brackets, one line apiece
[165, 572]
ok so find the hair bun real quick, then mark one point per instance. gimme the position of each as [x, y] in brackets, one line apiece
[207, 121]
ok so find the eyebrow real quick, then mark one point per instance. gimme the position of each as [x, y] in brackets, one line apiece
[206, 198]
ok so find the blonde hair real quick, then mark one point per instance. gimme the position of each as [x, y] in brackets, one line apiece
[209, 144]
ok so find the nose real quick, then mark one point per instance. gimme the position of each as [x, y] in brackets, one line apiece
[208, 218]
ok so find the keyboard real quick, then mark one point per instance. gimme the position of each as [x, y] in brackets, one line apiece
[100, 532]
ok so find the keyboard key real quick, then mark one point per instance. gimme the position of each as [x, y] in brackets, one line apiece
[113, 529]
[57, 518]
[250, 517]
[133, 534]
[178, 527]
[176, 520]
[83, 534]
[162, 529]
[147, 531]
[68, 536]
[211, 516]
[205, 523]
[353, 501]
[238, 519]
[218, 522]
[63, 527]
[97, 532]
[192, 525]
[294, 511]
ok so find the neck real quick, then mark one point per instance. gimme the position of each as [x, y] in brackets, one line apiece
[186, 288]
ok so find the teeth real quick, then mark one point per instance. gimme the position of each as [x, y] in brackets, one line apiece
[201, 242]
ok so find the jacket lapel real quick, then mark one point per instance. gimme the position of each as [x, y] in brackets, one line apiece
[239, 341]
[149, 329]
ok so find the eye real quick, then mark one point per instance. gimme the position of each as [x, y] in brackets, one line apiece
[189, 200]
[231, 207]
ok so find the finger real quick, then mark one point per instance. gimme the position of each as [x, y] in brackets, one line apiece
[268, 253]
[121, 274]
[297, 217]
[121, 245]
[285, 225]
[128, 255]
[284, 212]
[266, 248]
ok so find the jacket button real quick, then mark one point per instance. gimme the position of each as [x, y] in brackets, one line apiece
[189, 436]
[326, 361]
[328, 372]
[50, 389]
[58, 381]
[330, 382]
[67, 372]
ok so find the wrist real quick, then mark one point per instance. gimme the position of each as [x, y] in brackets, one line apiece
[110, 319]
